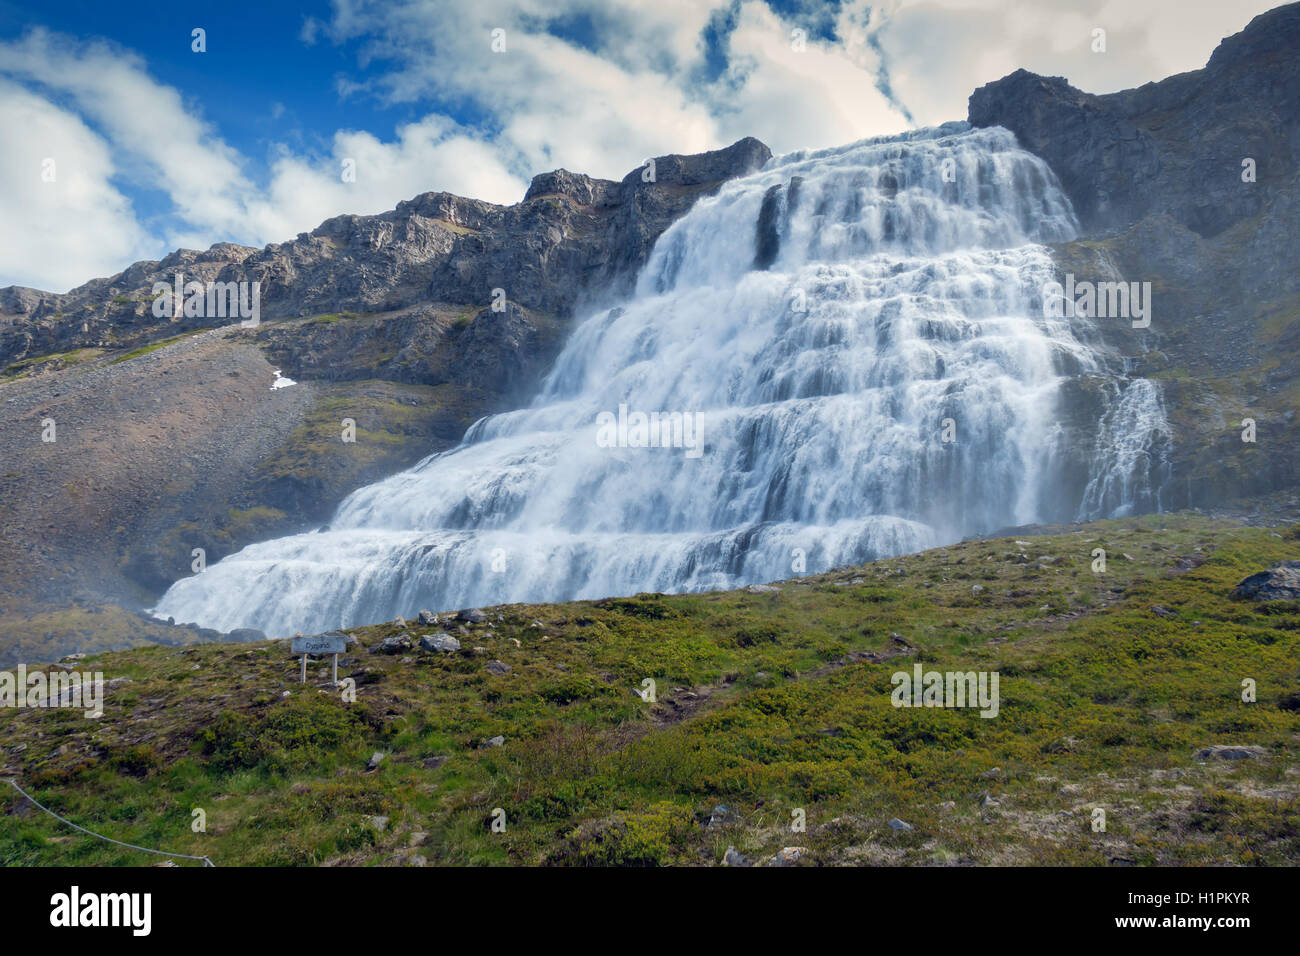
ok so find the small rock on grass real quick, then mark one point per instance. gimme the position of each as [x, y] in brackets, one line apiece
[375, 760]
[440, 642]
[1230, 752]
[722, 815]
[899, 826]
[789, 856]
[393, 645]
[733, 858]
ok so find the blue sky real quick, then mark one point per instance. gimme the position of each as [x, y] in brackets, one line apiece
[154, 146]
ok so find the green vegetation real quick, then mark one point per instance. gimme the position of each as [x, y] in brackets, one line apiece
[332, 317]
[52, 361]
[40, 635]
[768, 703]
[153, 346]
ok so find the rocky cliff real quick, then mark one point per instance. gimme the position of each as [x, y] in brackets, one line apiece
[1192, 184]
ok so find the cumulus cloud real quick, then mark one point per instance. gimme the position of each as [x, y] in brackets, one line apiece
[64, 220]
[938, 51]
[592, 85]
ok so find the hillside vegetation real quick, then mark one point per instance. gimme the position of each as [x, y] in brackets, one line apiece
[768, 702]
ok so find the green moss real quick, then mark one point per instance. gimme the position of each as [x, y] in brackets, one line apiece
[151, 347]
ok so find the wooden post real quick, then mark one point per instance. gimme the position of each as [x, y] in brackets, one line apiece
[336, 670]
[303, 678]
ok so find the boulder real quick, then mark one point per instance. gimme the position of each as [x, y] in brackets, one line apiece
[1230, 752]
[440, 642]
[1281, 582]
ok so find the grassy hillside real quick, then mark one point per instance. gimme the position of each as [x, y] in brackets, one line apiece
[768, 703]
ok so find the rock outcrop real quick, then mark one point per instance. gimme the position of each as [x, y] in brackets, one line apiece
[1191, 184]
[572, 236]
[1279, 583]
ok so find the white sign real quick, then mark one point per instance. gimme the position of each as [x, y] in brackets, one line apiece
[335, 642]
[331, 643]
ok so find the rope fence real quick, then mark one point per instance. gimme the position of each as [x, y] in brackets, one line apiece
[131, 846]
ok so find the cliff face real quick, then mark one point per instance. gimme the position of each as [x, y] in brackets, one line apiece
[1160, 179]
[569, 236]
[1173, 147]
[169, 437]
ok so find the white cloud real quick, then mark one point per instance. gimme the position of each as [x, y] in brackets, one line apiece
[939, 51]
[58, 234]
[637, 83]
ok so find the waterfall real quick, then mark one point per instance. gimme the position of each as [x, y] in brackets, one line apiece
[840, 357]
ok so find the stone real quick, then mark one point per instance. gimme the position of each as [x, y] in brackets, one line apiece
[789, 856]
[899, 826]
[393, 645]
[245, 635]
[471, 616]
[722, 816]
[500, 668]
[1281, 582]
[733, 858]
[427, 618]
[375, 760]
[497, 741]
[1230, 752]
[440, 642]
[379, 823]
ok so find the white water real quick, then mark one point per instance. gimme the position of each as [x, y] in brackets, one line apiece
[822, 428]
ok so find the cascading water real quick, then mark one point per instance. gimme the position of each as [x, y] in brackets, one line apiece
[855, 336]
